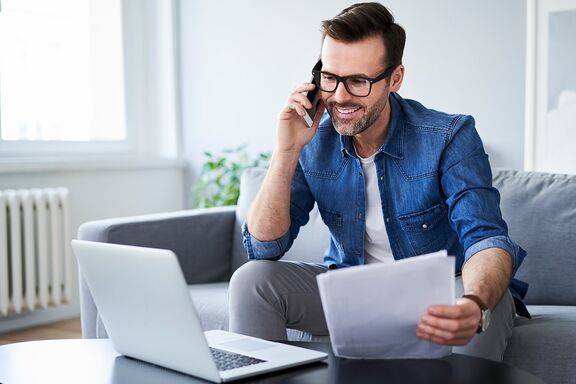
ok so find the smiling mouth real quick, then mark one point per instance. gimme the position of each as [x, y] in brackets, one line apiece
[347, 111]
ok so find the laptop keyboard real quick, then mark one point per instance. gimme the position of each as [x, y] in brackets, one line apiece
[229, 360]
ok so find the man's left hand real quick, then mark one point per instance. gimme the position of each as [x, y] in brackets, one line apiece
[450, 324]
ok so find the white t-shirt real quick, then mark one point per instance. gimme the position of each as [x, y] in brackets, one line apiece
[376, 243]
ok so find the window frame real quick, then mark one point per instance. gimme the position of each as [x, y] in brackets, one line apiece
[536, 82]
[151, 94]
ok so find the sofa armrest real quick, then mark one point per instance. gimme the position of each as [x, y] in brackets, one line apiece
[201, 239]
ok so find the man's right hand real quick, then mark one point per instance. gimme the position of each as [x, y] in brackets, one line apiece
[269, 216]
[293, 132]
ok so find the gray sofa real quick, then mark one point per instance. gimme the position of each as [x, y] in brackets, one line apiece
[539, 208]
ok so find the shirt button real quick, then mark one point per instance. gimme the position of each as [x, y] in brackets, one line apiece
[360, 216]
[387, 219]
[424, 226]
[360, 173]
[381, 178]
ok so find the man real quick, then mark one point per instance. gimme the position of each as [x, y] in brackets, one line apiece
[392, 180]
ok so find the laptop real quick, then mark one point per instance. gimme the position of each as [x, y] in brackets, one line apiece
[146, 307]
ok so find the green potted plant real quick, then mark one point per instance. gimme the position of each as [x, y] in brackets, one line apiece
[219, 181]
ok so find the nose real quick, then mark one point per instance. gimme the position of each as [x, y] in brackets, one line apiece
[341, 94]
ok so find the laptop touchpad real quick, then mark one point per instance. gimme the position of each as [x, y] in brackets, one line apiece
[247, 345]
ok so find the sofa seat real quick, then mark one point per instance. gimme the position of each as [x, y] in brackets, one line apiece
[211, 300]
[544, 345]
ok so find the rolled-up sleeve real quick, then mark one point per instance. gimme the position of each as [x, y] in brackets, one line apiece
[301, 203]
[264, 250]
[502, 242]
[474, 204]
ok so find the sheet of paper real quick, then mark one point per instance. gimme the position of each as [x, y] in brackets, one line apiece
[372, 310]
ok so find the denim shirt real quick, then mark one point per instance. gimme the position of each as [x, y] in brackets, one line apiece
[435, 188]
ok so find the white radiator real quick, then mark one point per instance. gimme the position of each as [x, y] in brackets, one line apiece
[35, 256]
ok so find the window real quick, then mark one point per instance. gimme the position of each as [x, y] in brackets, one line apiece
[61, 74]
[551, 86]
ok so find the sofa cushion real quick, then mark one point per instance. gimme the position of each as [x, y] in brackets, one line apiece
[540, 210]
[313, 238]
[544, 345]
[177, 231]
[211, 302]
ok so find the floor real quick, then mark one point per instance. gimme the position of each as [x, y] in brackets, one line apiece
[67, 329]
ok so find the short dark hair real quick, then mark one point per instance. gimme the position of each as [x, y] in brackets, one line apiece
[364, 20]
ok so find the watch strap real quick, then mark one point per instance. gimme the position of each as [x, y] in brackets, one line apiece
[483, 308]
[477, 300]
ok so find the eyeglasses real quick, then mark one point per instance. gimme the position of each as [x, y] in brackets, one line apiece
[358, 86]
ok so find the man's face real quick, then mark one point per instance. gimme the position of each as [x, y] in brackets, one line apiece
[350, 114]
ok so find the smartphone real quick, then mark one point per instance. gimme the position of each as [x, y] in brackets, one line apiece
[314, 97]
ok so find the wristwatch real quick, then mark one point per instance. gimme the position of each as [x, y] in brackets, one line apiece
[485, 313]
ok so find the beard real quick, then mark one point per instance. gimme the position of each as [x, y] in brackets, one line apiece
[352, 128]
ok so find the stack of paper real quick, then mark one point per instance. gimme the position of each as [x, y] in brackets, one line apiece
[372, 310]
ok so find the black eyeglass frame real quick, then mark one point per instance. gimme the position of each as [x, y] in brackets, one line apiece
[344, 79]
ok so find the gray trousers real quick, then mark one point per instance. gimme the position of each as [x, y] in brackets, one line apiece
[266, 297]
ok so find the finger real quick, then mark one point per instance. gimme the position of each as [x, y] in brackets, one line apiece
[304, 87]
[437, 332]
[446, 334]
[452, 325]
[443, 341]
[450, 311]
[302, 99]
[426, 331]
[296, 107]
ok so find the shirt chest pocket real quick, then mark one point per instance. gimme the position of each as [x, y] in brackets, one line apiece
[332, 219]
[427, 230]
[341, 235]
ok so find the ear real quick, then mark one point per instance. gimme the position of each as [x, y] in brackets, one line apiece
[396, 78]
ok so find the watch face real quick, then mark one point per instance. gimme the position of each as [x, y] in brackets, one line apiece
[485, 321]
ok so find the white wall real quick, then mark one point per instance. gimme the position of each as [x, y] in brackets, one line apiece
[97, 192]
[240, 61]
[111, 191]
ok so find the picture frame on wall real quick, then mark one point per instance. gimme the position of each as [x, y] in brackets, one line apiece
[551, 86]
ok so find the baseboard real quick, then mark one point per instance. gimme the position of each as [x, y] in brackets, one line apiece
[39, 317]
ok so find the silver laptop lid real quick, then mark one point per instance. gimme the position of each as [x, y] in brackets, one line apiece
[137, 290]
